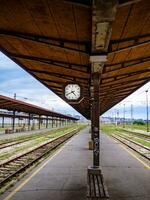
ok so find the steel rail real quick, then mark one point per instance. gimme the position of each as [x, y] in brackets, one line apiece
[131, 146]
[15, 166]
[13, 143]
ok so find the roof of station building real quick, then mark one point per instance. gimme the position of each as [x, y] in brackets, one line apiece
[52, 41]
[20, 106]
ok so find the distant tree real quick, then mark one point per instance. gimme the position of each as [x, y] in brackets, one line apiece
[139, 122]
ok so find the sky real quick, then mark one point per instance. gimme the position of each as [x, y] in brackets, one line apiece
[13, 79]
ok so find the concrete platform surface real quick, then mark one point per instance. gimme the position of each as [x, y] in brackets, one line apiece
[64, 177]
[126, 178]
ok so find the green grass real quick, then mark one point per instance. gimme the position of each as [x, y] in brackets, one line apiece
[38, 139]
[35, 135]
[137, 127]
[116, 130]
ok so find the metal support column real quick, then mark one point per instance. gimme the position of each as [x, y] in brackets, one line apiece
[52, 122]
[47, 122]
[13, 120]
[95, 116]
[3, 122]
[29, 121]
[39, 121]
[59, 122]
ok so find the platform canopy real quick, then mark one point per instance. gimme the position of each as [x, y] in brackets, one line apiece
[20, 106]
[51, 39]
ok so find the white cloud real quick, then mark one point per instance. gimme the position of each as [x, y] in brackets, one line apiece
[138, 102]
[6, 64]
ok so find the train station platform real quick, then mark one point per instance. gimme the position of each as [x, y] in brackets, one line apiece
[64, 175]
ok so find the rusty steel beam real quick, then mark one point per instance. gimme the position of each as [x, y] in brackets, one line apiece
[59, 43]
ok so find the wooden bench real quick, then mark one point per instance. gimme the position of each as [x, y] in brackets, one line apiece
[18, 130]
[96, 189]
[8, 131]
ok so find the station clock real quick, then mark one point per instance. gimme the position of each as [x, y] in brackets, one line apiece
[72, 92]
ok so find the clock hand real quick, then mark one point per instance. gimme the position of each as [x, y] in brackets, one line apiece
[73, 93]
[70, 92]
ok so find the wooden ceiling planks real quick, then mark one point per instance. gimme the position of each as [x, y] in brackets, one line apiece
[44, 50]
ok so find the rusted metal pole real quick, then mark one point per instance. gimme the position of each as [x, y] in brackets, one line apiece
[29, 121]
[47, 122]
[3, 122]
[39, 122]
[52, 122]
[95, 120]
[13, 122]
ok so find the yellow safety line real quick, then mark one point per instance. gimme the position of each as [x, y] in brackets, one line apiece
[32, 175]
[132, 154]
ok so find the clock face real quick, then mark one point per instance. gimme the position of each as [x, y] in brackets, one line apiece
[72, 91]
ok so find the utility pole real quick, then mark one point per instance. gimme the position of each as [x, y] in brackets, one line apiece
[147, 109]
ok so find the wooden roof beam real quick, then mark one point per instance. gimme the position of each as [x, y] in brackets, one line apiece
[128, 63]
[59, 82]
[127, 71]
[130, 47]
[60, 43]
[88, 3]
[120, 99]
[46, 60]
[127, 2]
[120, 85]
[132, 78]
[119, 89]
[136, 38]
[72, 74]
[125, 82]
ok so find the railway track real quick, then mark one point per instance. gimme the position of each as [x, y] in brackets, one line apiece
[139, 148]
[139, 135]
[14, 167]
[13, 143]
